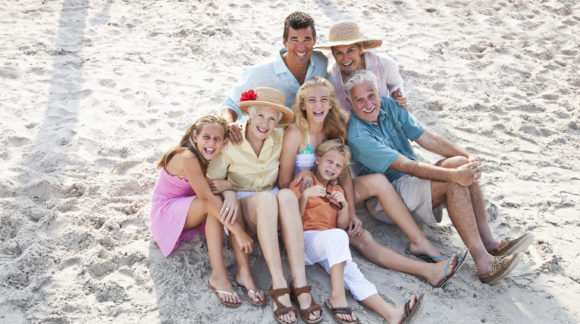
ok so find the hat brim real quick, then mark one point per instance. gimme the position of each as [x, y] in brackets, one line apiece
[366, 44]
[287, 113]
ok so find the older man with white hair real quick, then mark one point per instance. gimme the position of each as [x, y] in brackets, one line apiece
[379, 135]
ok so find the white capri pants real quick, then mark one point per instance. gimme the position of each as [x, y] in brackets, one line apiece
[330, 247]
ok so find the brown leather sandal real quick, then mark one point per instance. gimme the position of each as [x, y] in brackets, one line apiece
[281, 309]
[305, 313]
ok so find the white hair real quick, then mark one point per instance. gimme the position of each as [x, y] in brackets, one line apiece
[359, 77]
[252, 111]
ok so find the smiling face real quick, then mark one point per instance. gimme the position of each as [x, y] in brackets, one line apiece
[330, 165]
[263, 120]
[299, 45]
[348, 58]
[316, 103]
[210, 140]
[365, 101]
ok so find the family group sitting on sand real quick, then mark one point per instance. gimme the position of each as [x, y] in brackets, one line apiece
[346, 140]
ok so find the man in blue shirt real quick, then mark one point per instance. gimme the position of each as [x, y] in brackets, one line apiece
[285, 72]
[379, 135]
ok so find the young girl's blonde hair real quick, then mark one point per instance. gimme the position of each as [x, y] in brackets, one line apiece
[334, 123]
[337, 145]
[187, 142]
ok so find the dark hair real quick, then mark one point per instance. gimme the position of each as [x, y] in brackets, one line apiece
[187, 143]
[298, 20]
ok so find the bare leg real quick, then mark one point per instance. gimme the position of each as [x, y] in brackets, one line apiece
[338, 296]
[490, 242]
[293, 235]
[386, 310]
[261, 213]
[381, 255]
[377, 185]
[219, 276]
[461, 213]
[244, 275]
[477, 203]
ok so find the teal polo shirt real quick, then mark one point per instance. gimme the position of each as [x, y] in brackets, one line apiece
[375, 146]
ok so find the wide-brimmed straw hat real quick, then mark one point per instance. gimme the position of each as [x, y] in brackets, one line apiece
[346, 33]
[269, 97]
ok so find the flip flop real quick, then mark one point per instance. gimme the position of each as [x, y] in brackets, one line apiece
[256, 294]
[410, 314]
[425, 257]
[340, 310]
[217, 292]
[461, 259]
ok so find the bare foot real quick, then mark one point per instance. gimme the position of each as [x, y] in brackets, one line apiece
[223, 283]
[339, 302]
[284, 299]
[399, 314]
[305, 300]
[437, 271]
[425, 248]
[253, 291]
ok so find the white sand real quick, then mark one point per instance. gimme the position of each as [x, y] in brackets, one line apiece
[93, 92]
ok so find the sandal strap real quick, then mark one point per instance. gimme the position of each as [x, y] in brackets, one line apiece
[408, 307]
[313, 308]
[299, 291]
[281, 309]
[341, 310]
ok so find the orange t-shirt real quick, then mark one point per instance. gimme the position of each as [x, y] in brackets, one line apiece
[319, 215]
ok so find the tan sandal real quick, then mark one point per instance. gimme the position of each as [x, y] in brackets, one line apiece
[305, 313]
[281, 309]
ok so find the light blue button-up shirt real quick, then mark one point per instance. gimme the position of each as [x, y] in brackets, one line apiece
[375, 146]
[274, 74]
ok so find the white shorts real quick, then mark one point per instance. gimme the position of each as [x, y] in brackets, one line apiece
[416, 194]
[243, 194]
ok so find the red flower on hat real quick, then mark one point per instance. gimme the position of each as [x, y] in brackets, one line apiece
[248, 96]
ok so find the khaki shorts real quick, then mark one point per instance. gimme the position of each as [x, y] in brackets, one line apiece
[416, 194]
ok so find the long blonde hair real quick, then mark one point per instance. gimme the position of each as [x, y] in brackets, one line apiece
[187, 142]
[334, 123]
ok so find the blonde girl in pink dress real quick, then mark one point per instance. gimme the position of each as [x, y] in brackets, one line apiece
[184, 205]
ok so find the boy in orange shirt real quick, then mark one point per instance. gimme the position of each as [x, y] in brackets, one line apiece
[324, 216]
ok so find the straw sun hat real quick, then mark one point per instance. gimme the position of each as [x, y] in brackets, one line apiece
[346, 33]
[268, 97]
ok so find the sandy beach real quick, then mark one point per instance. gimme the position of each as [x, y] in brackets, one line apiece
[94, 92]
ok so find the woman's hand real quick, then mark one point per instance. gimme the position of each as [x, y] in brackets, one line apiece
[399, 98]
[229, 210]
[235, 134]
[354, 226]
[219, 186]
[304, 176]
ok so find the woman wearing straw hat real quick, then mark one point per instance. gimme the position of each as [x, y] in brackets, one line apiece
[350, 52]
[251, 169]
